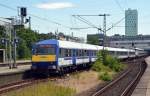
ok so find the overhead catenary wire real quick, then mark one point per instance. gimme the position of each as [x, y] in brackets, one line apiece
[115, 24]
[38, 17]
[79, 18]
[88, 22]
[81, 28]
[121, 8]
[84, 21]
[119, 5]
[118, 22]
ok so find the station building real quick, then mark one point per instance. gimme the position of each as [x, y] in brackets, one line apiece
[138, 41]
[122, 41]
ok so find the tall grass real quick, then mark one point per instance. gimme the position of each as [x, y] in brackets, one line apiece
[43, 89]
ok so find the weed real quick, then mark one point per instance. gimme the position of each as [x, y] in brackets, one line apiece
[43, 89]
[112, 64]
[105, 76]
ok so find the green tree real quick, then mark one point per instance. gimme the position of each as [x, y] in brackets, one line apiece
[28, 36]
[23, 51]
[2, 30]
[93, 39]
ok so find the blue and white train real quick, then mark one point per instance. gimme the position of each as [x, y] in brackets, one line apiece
[56, 55]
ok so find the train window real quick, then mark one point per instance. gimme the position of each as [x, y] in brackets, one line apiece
[80, 52]
[122, 53]
[45, 50]
[77, 52]
[111, 52]
[118, 53]
[61, 52]
[92, 53]
[85, 52]
[73, 53]
[66, 52]
[96, 52]
[132, 53]
[69, 52]
[89, 52]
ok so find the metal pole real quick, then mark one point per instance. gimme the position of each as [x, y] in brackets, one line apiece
[5, 51]
[14, 43]
[6, 41]
[14, 48]
[10, 66]
[29, 22]
[104, 37]
[22, 20]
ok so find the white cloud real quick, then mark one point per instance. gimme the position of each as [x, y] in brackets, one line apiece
[57, 5]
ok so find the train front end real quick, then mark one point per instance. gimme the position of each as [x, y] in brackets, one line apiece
[44, 57]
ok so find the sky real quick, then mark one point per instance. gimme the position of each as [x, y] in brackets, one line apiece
[57, 14]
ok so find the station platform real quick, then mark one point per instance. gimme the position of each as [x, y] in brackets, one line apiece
[18, 61]
[19, 69]
[143, 87]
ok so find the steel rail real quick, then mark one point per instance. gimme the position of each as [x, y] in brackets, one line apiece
[128, 89]
[111, 84]
[23, 83]
[130, 86]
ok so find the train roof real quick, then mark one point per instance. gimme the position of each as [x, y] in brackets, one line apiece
[139, 49]
[75, 45]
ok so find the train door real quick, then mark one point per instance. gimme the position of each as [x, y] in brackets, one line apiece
[90, 58]
[74, 56]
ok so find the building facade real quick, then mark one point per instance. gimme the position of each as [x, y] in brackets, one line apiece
[97, 39]
[122, 41]
[129, 42]
[131, 22]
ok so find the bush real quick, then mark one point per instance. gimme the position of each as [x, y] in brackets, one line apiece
[114, 64]
[111, 64]
[105, 76]
[97, 66]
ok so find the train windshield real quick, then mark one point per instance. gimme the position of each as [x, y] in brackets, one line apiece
[45, 50]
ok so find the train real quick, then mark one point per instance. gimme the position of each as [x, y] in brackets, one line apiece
[58, 55]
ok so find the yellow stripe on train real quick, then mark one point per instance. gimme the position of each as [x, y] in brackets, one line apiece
[47, 58]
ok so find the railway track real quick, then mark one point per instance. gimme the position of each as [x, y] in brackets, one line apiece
[15, 85]
[29, 82]
[125, 84]
[23, 83]
[121, 86]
